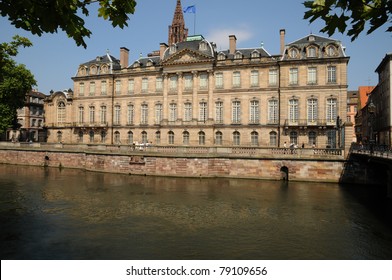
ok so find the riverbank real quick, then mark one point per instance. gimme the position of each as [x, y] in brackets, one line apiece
[252, 163]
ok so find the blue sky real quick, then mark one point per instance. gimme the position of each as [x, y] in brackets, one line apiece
[54, 58]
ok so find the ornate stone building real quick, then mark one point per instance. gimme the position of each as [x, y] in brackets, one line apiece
[190, 93]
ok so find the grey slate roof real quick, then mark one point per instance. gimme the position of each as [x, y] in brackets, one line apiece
[104, 59]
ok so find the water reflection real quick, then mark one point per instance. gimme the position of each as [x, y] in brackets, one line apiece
[72, 214]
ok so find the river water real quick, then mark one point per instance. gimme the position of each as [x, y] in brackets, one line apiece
[51, 213]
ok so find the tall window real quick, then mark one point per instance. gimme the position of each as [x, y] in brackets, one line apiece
[185, 138]
[312, 52]
[144, 137]
[158, 137]
[218, 138]
[131, 86]
[81, 89]
[117, 138]
[203, 81]
[312, 110]
[81, 115]
[171, 137]
[118, 87]
[59, 136]
[236, 138]
[117, 115]
[103, 136]
[145, 85]
[236, 112]
[293, 111]
[91, 135]
[80, 136]
[331, 110]
[273, 139]
[173, 83]
[219, 112]
[188, 82]
[158, 113]
[92, 114]
[331, 138]
[273, 77]
[203, 111]
[159, 84]
[219, 80]
[236, 79]
[130, 114]
[144, 114]
[254, 78]
[92, 89]
[331, 74]
[293, 137]
[312, 75]
[254, 112]
[61, 112]
[103, 113]
[312, 137]
[130, 137]
[254, 138]
[103, 88]
[202, 138]
[172, 112]
[187, 111]
[293, 76]
[273, 111]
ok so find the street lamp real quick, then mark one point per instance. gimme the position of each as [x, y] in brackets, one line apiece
[371, 111]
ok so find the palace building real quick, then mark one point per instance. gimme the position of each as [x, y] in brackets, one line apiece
[190, 93]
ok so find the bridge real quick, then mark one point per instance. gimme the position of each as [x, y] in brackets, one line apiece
[370, 165]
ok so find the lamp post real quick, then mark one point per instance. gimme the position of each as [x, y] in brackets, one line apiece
[371, 111]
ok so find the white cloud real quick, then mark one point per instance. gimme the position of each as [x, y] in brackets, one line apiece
[220, 36]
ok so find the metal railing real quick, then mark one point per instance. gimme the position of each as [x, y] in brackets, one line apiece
[383, 151]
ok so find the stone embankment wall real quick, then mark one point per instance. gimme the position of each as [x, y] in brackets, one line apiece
[300, 169]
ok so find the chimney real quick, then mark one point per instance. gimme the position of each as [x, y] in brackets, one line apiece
[124, 57]
[232, 44]
[162, 49]
[282, 35]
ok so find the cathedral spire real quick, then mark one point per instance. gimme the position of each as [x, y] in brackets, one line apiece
[177, 31]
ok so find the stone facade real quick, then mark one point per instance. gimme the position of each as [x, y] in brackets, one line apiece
[190, 93]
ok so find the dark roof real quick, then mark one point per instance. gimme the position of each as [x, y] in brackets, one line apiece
[193, 46]
[36, 94]
[247, 53]
[104, 59]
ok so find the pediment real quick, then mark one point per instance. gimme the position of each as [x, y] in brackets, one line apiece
[186, 57]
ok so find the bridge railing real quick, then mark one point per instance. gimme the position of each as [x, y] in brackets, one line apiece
[239, 151]
[384, 151]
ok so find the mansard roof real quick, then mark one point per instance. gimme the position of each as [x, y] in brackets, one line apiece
[317, 41]
[192, 45]
[104, 59]
[246, 52]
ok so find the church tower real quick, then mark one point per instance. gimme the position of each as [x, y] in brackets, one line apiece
[177, 31]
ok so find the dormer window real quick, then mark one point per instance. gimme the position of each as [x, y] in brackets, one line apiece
[149, 63]
[312, 52]
[238, 55]
[331, 50]
[255, 54]
[82, 71]
[136, 64]
[104, 69]
[173, 49]
[293, 52]
[221, 56]
[203, 46]
[93, 70]
[311, 38]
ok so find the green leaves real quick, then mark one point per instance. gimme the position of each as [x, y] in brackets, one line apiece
[15, 81]
[48, 16]
[354, 15]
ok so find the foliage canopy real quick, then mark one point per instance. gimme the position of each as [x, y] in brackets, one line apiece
[358, 13]
[15, 81]
[47, 16]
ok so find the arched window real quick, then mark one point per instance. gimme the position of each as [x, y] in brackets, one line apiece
[273, 139]
[91, 136]
[80, 136]
[218, 138]
[158, 137]
[59, 136]
[202, 138]
[103, 136]
[117, 139]
[144, 137]
[254, 137]
[61, 112]
[221, 56]
[185, 138]
[312, 52]
[171, 137]
[130, 137]
[236, 138]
